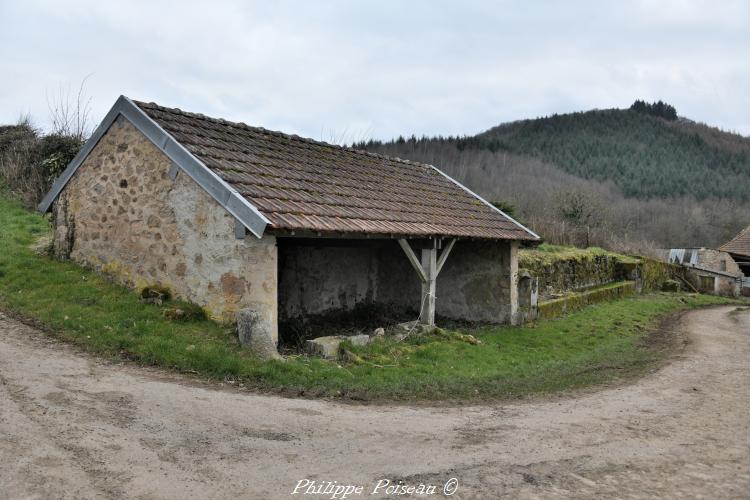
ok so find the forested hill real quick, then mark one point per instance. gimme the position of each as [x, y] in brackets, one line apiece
[645, 156]
[626, 178]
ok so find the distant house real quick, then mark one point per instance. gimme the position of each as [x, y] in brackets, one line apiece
[739, 248]
[233, 217]
[708, 258]
[713, 271]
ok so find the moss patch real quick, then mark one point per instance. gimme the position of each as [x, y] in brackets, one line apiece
[576, 300]
[562, 269]
[546, 254]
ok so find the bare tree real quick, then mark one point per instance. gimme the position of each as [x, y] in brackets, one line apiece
[582, 209]
[70, 111]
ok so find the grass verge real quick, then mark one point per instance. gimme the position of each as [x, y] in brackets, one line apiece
[591, 346]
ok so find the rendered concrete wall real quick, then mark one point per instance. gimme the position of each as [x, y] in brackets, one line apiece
[528, 297]
[122, 214]
[316, 276]
[477, 283]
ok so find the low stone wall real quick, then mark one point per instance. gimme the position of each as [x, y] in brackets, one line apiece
[576, 300]
[580, 270]
[651, 275]
[573, 278]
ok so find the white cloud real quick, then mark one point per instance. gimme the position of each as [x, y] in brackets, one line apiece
[381, 68]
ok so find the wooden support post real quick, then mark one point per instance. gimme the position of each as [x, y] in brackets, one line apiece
[427, 270]
[429, 264]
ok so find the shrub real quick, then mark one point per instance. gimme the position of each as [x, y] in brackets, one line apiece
[56, 152]
[30, 162]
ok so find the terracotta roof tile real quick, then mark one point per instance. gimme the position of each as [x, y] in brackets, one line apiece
[301, 184]
[740, 244]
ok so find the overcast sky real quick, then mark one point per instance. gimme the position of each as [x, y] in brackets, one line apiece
[347, 70]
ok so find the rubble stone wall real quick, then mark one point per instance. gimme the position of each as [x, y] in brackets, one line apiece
[123, 215]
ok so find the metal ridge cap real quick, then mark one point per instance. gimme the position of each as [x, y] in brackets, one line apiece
[62, 179]
[226, 195]
[536, 236]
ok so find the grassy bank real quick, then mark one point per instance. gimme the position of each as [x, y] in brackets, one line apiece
[79, 306]
[546, 254]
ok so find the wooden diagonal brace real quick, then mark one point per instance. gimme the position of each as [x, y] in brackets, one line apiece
[413, 259]
[444, 255]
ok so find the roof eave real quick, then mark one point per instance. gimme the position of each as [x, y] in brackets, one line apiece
[733, 254]
[535, 237]
[217, 188]
[297, 232]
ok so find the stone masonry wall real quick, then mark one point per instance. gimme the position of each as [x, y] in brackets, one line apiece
[123, 215]
[718, 261]
[558, 276]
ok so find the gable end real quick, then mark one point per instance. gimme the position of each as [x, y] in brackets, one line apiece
[223, 193]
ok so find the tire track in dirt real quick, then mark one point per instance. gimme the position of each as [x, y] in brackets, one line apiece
[74, 426]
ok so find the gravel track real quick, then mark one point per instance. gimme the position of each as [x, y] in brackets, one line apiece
[76, 426]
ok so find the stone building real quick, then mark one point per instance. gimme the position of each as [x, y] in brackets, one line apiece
[712, 271]
[739, 249]
[707, 258]
[234, 217]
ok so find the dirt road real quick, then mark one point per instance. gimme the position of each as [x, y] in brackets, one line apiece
[73, 426]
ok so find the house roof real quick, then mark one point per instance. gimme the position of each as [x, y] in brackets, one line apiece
[739, 245]
[296, 184]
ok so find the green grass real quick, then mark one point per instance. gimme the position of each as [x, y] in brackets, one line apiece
[591, 346]
[546, 254]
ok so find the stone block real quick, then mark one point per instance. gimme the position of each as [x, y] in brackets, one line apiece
[359, 340]
[325, 347]
[257, 334]
[328, 347]
[412, 328]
